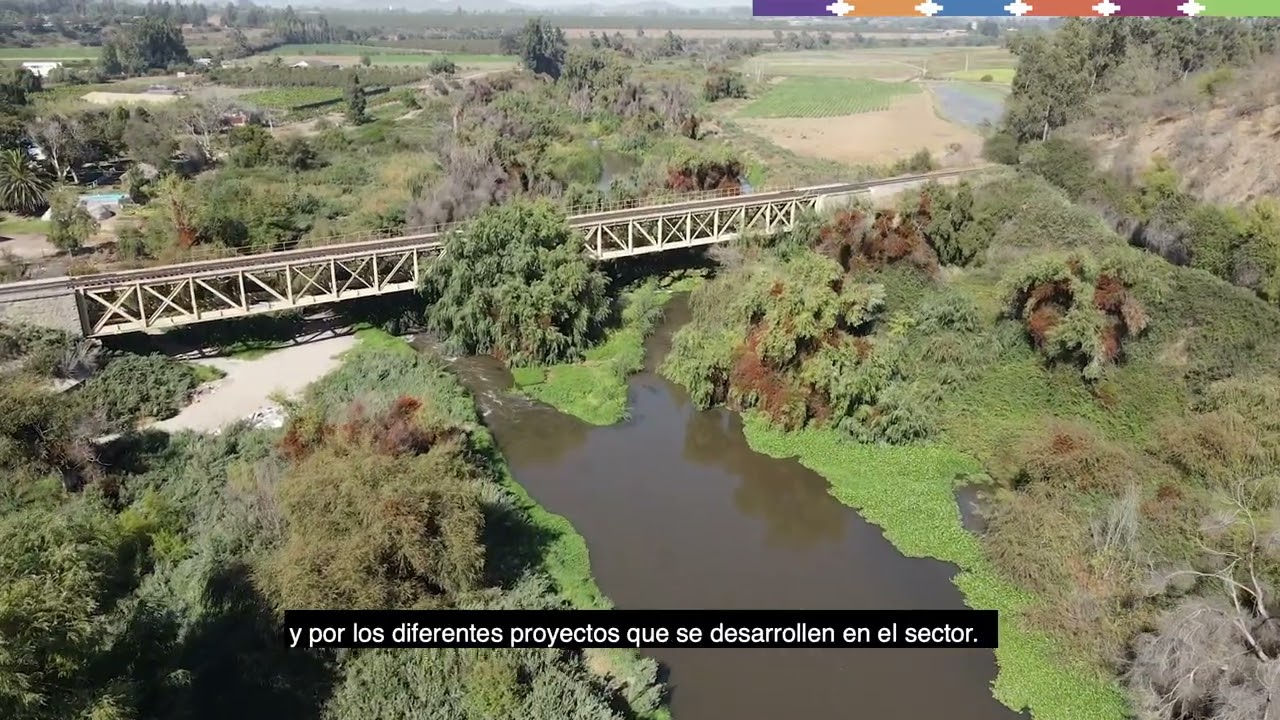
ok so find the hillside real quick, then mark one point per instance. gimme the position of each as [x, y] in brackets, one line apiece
[1218, 130]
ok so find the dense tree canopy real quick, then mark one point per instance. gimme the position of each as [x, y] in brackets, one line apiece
[148, 43]
[1059, 74]
[515, 282]
[542, 47]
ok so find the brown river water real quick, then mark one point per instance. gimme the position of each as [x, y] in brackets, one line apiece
[678, 512]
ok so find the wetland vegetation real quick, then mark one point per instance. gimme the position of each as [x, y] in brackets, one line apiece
[1096, 346]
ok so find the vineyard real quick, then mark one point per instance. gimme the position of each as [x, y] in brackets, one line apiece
[462, 52]
[283, 76]
[341, 49]
[287, 98]
[825, 97]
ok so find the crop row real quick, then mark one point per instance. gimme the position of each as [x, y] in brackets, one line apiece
[825, 97]
[291, 97]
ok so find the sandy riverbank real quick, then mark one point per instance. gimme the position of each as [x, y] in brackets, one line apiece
[249, 384]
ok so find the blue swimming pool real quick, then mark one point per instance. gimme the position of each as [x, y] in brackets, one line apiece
[115, 197]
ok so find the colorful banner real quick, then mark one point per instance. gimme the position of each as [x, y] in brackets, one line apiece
[1027, 8]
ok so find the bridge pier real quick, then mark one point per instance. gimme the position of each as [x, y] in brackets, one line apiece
[55, 311]
[843, 201]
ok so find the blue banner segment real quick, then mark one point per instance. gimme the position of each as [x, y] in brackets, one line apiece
[972, 8]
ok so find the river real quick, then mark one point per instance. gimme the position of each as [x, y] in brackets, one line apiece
[678, 512]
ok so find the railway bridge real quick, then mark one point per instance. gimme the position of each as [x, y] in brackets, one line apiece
[166, 296]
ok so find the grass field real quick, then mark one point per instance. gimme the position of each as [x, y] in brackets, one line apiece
[286, 98]
[818, 97]
[1003, 76]
[382, 55]
[878, 63]
[15, 225]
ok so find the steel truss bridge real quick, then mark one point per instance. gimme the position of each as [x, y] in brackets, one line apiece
[156, 298]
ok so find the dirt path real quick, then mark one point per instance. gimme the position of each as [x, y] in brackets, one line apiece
[249, 384]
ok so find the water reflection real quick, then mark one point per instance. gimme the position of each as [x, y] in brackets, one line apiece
[679, 513]
[794, 504]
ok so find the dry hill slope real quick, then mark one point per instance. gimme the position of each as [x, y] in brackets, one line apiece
[1220, 132]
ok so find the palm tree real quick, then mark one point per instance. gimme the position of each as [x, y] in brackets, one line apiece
[22, 185]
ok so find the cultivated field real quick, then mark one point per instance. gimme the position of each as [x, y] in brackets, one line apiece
[881, 63]
[347, 55]
[853, 106]
[745, 33]
[817, 97]
[113, 98]
[291, 97]
[1003, 76]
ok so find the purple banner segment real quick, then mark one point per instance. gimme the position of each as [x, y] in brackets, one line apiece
[1147, 8]
[793, 8]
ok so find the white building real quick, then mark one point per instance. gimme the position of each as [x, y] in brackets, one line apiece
[41, 68]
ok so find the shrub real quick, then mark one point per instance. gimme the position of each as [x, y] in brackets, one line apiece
[792, 339]
[383, 512]
[45, 352]
[951, 311]
[1001, 148]
[1078, 309]
[1065, 163]
[986, 78]
[136, 387]
[724, 84]
[442, 65]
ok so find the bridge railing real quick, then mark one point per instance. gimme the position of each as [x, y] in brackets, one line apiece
[200, 253]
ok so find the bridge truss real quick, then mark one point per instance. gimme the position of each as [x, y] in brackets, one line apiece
[155, 303]
[159, 298]
[656, 230]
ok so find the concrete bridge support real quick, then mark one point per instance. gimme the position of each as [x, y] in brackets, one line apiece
[55, 311]
[833, 203]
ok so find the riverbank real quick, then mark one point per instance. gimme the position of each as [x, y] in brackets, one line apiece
[249, 384]
[373, 367]
[595, 389]
[909, 492]
[563, 552]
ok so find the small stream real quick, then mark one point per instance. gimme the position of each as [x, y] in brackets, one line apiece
[679, 513]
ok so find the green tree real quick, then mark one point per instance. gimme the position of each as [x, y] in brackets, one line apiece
[25, 79]
[253, 146]
[542, 47]
[109, 59]
[149, 43]
[1050, 87]
[22, 185]
[60, 576]
[150, 140]
[70, 225]
[356, 101]
[514, 282]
